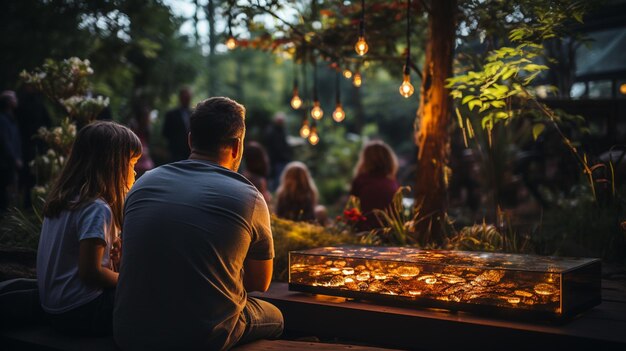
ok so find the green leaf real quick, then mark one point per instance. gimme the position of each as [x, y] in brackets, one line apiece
[467, 98]
[474, 103]
[498, 103]
[531, 67]
[508, 72]
[537, 130]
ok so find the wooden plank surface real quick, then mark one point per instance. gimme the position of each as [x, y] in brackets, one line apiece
[278, 345]
[403, 327]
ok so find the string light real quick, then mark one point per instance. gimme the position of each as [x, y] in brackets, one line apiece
[296, 102]
[338, 114]
[305, 131]
[357, 80]
[347, 73]
[622, 88]
[314, 137]
[316, 112]
[361, 46]
[406, 88]
[231, 43]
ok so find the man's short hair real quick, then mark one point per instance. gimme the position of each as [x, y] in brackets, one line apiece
[216, 122]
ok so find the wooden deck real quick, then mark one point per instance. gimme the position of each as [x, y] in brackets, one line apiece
[602, 327]
[364, 326]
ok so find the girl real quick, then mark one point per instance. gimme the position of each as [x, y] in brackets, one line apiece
[82, 217]
[297, 194]
[374, 180]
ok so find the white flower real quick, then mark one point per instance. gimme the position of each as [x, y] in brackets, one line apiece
[45, 159]
[51, 153]
[57, 131]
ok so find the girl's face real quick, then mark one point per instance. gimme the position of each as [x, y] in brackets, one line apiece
[130, 178]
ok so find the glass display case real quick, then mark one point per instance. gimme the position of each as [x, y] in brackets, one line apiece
[551, 287]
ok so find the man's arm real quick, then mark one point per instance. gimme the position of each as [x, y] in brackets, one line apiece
[257, 274]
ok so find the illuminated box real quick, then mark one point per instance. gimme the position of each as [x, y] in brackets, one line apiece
[551, 287]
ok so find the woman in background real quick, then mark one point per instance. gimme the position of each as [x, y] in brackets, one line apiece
[374, 181]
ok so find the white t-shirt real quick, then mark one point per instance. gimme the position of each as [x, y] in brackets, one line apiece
[60, 287]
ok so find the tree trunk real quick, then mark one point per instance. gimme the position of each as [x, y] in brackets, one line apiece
[432, 137]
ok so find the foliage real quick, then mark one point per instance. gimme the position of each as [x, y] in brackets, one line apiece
[290, 236]
[578, 225]
[21, 229]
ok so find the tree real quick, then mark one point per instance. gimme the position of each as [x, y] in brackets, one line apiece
[432, 134]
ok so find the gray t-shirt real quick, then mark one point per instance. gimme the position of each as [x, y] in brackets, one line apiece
[188, 227]
[60, 287]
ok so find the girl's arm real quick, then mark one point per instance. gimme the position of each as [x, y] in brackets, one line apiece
[90, 268]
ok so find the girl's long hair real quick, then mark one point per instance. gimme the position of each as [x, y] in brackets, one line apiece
[98, 167]
[377, 159]
[296, 185]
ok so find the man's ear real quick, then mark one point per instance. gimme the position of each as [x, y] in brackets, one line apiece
[189, 141]
[235, 148]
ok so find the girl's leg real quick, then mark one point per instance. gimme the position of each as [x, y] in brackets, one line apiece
[91, 319]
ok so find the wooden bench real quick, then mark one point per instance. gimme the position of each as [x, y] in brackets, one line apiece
[602, 327]
[44, 338]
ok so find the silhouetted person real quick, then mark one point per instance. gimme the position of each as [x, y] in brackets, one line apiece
[278, 149]
[176, 127]
[31, 115]
[257, 168]
[140, 124]
[10, 148]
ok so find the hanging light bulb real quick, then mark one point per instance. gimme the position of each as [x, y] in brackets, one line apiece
[347, 73]
[231, 43]
[296, 102]
[305, 131]
[357, 80]
[361, 46]
[406, 88]
[339, 114]
[313, 137]
[316, 112]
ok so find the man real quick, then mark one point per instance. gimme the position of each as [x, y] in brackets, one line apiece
[10, 150]
[196, 238]
[176, 127]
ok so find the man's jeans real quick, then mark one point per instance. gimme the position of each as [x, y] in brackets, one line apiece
[263, 321]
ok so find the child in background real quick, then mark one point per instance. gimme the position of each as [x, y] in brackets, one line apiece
[82, 219]
[297, 194]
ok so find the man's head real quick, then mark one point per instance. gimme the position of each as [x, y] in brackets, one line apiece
[184, 96]
[217, 130]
